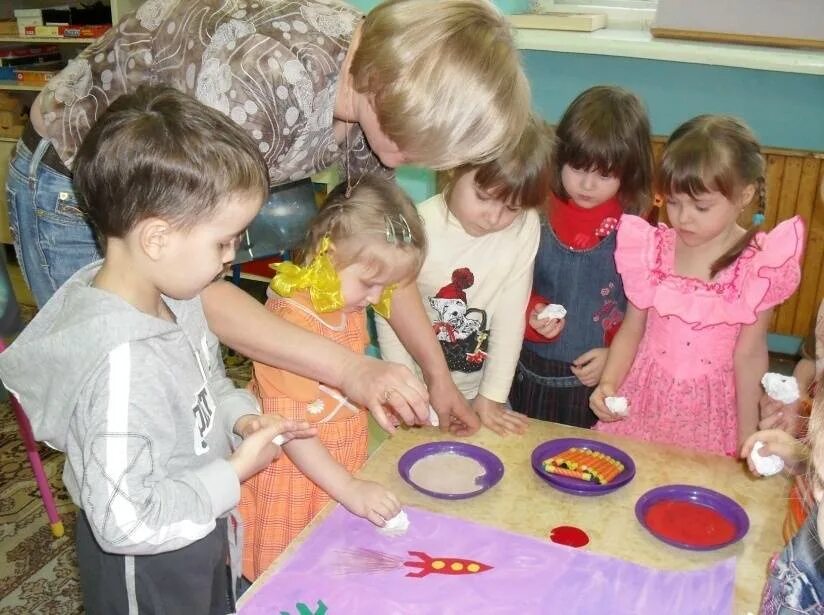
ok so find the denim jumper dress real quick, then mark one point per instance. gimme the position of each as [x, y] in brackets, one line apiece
[795, 583]
[587, 284]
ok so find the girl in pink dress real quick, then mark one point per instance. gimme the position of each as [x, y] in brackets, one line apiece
[692, 348]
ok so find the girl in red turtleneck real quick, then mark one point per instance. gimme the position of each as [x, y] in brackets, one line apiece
[602, 168]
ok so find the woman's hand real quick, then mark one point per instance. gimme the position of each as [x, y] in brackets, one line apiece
[497, 417]
[379, 384]
[598, 404]
[777, 442]
[371, 501]
[550, 328]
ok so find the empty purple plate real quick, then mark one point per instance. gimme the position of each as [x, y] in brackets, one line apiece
[694, 518]
[494, 468]
[574, 485]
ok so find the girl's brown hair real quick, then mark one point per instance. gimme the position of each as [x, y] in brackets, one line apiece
[715, 153]
[606, 128]
[375, 211]
[519, 177]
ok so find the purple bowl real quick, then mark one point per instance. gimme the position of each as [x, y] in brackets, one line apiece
[575, 486]
[491, 463]
[720, 503]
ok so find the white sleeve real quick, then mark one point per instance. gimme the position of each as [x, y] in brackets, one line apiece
[126, 436]
[506, 332]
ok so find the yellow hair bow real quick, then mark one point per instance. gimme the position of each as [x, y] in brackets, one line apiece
[321, 280]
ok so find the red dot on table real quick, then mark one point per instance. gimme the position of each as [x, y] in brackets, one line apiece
[569, 535]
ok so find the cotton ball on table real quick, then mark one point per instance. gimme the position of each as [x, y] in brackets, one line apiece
[617, 405]
[553, 310]
[396, 526]
[765, 466]
[780, 387]
[433, 417]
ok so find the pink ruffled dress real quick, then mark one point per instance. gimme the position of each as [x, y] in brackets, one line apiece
[681, 386]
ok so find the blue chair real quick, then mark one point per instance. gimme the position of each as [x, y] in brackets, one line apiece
[280, 226]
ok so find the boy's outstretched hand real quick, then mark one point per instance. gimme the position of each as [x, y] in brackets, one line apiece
[258, 450]
[250, 423]
[370, 500]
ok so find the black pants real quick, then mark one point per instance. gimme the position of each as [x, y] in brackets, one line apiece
[549, 391]
[193, 580]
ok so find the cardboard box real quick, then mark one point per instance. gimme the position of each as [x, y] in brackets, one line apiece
[27, 18]
[44, 31]
[577, 22]
[8, 27]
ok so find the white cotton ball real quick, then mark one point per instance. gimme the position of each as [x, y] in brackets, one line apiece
[279, 440]
[765, 466]
[433, 417]
[553, 310]
[617, 405]
[780, 387]
[396, 526]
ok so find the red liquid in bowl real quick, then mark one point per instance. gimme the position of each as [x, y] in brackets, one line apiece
[689, 523]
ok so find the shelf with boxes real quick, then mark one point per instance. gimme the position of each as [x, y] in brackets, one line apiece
[69, 30]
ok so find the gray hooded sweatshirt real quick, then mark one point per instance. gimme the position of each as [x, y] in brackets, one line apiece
[141, 407]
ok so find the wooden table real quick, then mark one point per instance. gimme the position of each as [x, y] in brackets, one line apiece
[524, 503]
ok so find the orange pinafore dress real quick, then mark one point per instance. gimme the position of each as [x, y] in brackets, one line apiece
[277, 503]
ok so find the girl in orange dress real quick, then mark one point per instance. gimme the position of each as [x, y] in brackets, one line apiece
[366, 240]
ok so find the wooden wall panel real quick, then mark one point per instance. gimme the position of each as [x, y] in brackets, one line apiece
[794, 187]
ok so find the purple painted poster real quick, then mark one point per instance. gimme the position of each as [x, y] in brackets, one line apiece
[445, 566]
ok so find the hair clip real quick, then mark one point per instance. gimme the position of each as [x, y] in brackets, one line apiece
[758, 219]
[397, 229]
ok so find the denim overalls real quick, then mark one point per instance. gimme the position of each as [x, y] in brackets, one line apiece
[796, 579]
[587, 284]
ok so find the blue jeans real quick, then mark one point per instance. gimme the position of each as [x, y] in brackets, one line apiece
[795, 584]
[52, 239]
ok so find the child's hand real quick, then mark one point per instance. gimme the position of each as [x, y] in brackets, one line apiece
[777, 442]
[590, 365]
[497, 417]
[250, 423]
[550, 328]
[371, 501]
[454, 412]
[257, 450]
[598, 404]
[778, 415]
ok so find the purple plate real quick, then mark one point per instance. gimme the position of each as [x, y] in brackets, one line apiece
[493, 466]
[717, 502]
[574, 485]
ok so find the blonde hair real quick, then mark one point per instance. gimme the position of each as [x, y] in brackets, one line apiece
[376, 213]
[715, 153]
[445, 79]
[519, 177]
[607, 128]
[815, 439]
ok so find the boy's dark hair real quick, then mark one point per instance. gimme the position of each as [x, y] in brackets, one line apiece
[520, 176]
[606, 128]
[161, 153]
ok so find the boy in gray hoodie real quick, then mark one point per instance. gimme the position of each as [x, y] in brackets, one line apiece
[120, 371]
